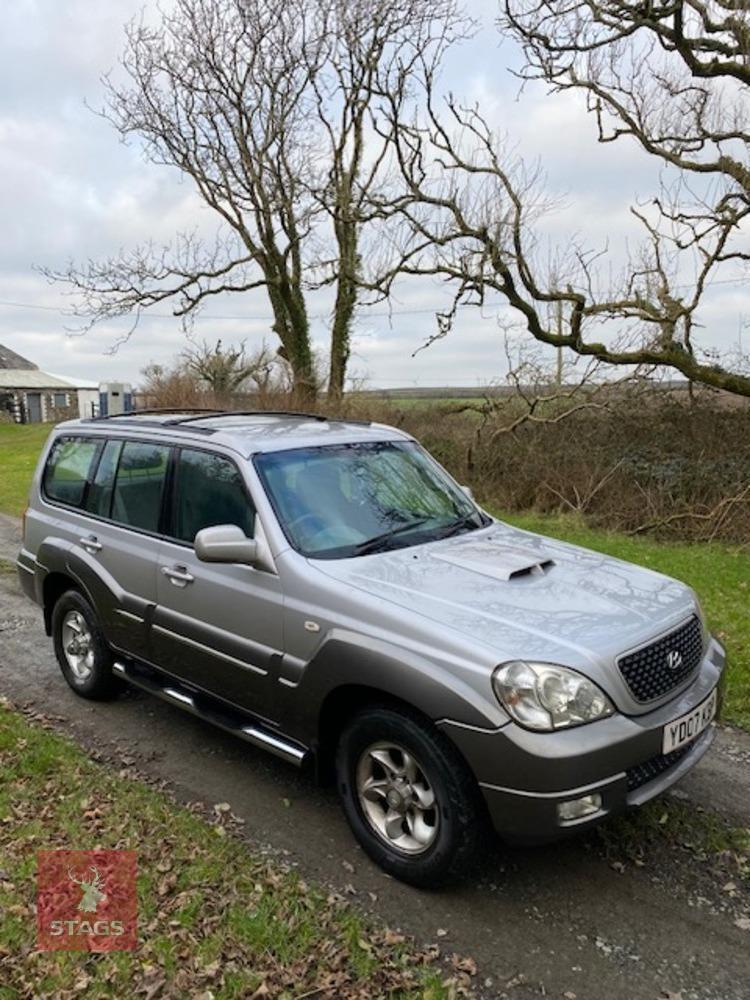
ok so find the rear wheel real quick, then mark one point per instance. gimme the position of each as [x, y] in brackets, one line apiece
[409, 797]
[83, 655]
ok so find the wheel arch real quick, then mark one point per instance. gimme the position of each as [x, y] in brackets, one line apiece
[55, 584]
[341, 704]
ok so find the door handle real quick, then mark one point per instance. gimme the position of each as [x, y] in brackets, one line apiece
[90, 543]
[177, 575]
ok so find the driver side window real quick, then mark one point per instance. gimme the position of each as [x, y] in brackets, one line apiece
[209, 491]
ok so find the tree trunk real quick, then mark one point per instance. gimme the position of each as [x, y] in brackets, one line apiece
[293, 330]
[346, 302]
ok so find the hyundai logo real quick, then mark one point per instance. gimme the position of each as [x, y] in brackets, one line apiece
[674, 659]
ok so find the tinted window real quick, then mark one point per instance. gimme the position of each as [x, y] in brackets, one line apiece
[99, 496]
[209, 491]
[139, 485]
[68, 468]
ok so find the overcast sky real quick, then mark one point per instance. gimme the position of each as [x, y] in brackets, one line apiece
[69, 189]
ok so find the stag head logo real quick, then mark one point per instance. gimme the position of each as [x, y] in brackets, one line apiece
[92, 890]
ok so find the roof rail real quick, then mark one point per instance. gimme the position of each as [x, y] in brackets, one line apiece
[204, 410]
[251, 413]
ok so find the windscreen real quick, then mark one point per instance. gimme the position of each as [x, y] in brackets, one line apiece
[346, 500]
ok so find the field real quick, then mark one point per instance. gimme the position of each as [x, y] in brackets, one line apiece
[719, 573]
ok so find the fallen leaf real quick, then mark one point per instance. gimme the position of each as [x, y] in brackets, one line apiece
[467, 965]
[392, 937]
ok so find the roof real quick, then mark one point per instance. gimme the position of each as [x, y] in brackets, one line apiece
[30, 378]
[9, 359]
[77, 383]
[248, 434]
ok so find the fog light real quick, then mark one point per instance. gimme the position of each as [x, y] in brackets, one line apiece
[578, 808]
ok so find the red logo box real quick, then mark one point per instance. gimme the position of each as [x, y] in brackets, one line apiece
[86, 900]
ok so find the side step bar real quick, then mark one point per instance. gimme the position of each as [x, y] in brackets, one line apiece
[211, 710]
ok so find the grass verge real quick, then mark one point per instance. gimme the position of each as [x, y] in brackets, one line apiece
[214, 920]
[20, 445]
[719, 574]
[677, 825]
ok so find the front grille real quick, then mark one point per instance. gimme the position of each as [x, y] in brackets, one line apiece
[649, 673]
[641, 774]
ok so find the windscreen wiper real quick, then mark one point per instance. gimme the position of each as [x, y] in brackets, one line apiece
[381, 541]
[468, 521]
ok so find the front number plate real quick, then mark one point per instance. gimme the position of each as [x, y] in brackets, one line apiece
[688, 727]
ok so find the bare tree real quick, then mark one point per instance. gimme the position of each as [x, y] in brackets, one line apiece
[268, 107]
[224, 371]
[673, 77]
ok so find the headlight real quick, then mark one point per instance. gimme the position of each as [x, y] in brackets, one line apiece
[544, 697]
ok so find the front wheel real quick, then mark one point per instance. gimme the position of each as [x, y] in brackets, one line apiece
[409, 797]
[83, 655]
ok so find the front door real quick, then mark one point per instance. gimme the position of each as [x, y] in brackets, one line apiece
[217, 626]
[34, 407]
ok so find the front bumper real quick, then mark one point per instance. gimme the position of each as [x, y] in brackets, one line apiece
[524, 776]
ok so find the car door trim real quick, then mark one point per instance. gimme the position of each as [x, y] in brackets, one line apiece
[129, 615]
[211, 650]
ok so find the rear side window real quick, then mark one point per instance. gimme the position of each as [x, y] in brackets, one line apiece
[68, 468]
[209, 492]
[99, 497]
[139, 484]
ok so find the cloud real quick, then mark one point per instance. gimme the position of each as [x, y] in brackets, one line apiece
[70, 189]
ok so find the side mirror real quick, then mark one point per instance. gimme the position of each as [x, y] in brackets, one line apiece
[225, 543]
[468, 491]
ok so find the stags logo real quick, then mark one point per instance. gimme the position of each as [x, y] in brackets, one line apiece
[92, 892]
[86, 900]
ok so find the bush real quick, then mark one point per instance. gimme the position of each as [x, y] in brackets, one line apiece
[638, 459]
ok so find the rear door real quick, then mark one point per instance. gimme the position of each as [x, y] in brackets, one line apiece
[216, 626]
[112, 494]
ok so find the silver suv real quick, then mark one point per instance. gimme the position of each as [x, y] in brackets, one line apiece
[325, 590]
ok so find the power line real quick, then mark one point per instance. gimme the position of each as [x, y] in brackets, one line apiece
[146, 314]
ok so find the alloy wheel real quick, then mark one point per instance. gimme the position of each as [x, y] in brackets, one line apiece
[397, 798]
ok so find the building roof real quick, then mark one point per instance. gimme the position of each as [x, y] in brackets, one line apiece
[76, 383]
[32, 379]
[9, 359]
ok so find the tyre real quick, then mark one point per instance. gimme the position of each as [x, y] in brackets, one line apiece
[83, 655]
[408, 795]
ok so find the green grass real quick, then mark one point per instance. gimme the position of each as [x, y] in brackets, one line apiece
[719, 574]
[19, 450]
[212, 916]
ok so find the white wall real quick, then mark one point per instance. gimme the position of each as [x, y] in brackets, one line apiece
[85, 398]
